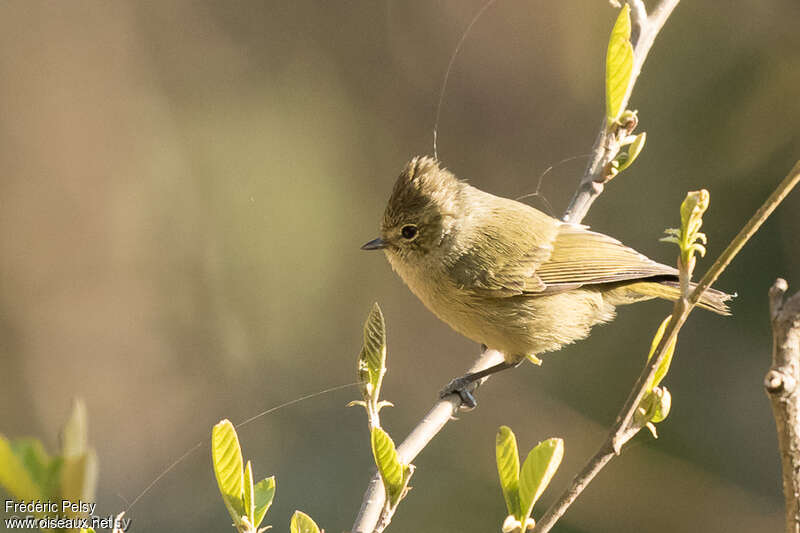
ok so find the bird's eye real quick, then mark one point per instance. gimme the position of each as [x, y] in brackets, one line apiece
[409, 231]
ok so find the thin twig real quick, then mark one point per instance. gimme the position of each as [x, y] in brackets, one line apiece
[608, 143]
[781, 384]
[624, 427]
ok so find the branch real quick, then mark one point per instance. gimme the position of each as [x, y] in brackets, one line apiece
[781, 384]
[370, 517]
[609, 141]
[625, 428]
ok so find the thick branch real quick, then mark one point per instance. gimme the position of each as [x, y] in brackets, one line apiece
[607, 144]
[781, 383]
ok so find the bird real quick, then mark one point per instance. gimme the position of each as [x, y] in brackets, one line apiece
[507, 275]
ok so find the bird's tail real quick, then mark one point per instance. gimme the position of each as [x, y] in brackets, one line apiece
[712, 299]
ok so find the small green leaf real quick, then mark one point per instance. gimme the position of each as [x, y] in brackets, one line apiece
[372, 360]
[78, 473]
[663, 368]
[226, 455]
[264, 493]
[75, 434]
[15, 478]
[78, 477]
[537, 471]
[395, 474]
[633, 151]
[692, 210]
[508, 469]
[87, 530]
[689, 238]
[247, 493]
[302, 523]
[654, 408]
[619, 65]
[662, 406]
[44, 470]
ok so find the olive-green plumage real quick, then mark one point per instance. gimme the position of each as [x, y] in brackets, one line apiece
[507, 275]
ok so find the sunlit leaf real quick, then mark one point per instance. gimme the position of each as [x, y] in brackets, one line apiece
[264, 493]
[633, 151]
[43, 469]
[395, 474]
[619, 65]
[508, 469]
[302, 523]
[372, 360]
[538, 469]
[663, 367]
[662, 406]
[247, 492]
[226, 455]
[78, 477]
[15, 478]
[75, 433]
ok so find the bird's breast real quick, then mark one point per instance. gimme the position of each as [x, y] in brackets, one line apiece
[434, 285]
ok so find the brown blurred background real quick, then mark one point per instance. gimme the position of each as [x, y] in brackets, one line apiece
[185, 187]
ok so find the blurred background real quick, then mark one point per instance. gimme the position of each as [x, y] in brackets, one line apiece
[185, 187]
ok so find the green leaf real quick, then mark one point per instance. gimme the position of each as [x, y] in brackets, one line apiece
[43, 469]
[508, 469]
[15, 478]
[78, 477]
[372, 360]
[633, 151]
[692, 210]
[395, 474]
[75, 433]
[654, 408]
[537, 471]
[302, 523]
[78, 473]
[226, 455]
[663, 368]
[662, 406]
[247, 493]
[619, 65]
[264, 493]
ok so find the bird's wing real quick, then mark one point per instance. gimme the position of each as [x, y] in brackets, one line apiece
[513, 245]
[583, 257]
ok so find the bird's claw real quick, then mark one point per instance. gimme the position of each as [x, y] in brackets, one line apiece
[463, 387]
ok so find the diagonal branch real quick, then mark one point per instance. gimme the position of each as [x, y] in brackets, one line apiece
[370, 517]
[624, 427]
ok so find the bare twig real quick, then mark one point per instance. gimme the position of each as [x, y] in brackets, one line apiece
[609, 141]
[624, 427]
[781, 384]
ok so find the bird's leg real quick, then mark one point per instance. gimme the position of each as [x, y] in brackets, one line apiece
[463, 385]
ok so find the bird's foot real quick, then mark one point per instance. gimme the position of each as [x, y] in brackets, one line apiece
[462, 386]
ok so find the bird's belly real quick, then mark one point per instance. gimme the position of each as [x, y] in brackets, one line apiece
[518, 326]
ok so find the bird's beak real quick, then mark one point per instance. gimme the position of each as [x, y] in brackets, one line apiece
[374, 244]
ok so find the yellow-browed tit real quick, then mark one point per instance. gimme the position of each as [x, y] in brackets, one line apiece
[507, 275]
